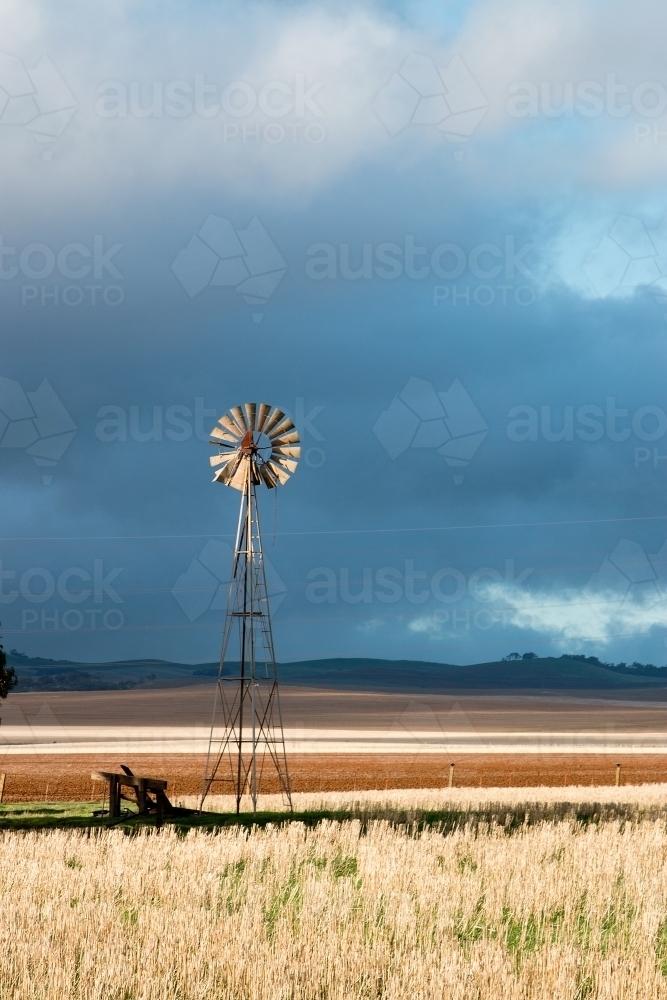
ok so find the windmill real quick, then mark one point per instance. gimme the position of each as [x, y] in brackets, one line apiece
[257, 445]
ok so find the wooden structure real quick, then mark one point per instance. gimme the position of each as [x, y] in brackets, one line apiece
[149, 793]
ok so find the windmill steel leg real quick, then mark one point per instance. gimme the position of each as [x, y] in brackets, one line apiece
[244, 625]
[270, 659]
[248, 601]
[250, 563]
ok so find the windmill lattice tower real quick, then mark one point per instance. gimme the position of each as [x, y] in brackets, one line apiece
[257, 445]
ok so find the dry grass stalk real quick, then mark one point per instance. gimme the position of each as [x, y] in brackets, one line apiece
[553, 912]
[644, 796]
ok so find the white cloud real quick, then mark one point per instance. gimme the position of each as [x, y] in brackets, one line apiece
[557, 43]
[565, 616]
[585, 615]
[625, 597]
[371, 625]
[428, 625]
[353, 53]
[345, 59]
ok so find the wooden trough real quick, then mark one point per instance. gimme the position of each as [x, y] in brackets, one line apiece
[149, 794]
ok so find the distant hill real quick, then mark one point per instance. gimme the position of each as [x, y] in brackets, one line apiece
[549, 673]
[40, 674]
[539, 674]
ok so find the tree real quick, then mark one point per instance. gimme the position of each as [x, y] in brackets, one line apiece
[512, 656]
[8, 677]
[529, 656]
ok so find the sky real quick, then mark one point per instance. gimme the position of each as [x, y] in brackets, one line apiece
[436, 238]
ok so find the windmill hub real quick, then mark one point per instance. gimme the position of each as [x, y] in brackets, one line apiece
[248, 446]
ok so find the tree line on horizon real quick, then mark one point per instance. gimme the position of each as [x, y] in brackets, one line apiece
[8, 677]
[640, 669]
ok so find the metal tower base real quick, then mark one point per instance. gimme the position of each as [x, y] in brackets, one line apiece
[247, 738]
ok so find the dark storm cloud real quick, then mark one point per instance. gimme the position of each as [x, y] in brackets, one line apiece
[402, 262]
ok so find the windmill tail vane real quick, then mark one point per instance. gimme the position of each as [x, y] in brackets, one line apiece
[258, 445]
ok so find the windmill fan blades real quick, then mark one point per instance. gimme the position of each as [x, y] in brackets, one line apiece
[264, 410]
[290, 438]
[287, 464]
[241, 440]
[267, 476]
[276, 416]
[238, 417]
[279, 473]
[238, 478]
[250, 411]
[283, 427]
[221, 459]
[224, 474]
[224, 436]
[282, 460]
[229, 425]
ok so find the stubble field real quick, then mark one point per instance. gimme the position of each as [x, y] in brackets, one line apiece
[522, 895]
[557, 909]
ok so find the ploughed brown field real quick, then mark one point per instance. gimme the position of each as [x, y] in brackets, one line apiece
[318, 708]
[67, 777]
[31, 776]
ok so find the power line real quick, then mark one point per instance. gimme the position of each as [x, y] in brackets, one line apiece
[338, 531]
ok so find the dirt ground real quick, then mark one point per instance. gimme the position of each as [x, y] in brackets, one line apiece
[315, 708]
[53, 777]
[67, 776]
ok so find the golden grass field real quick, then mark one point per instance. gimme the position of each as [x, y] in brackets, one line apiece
[641, 797]
[555, 910]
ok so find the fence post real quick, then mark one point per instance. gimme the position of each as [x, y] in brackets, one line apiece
[2, 785]
[618, 775]
[451, 775]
